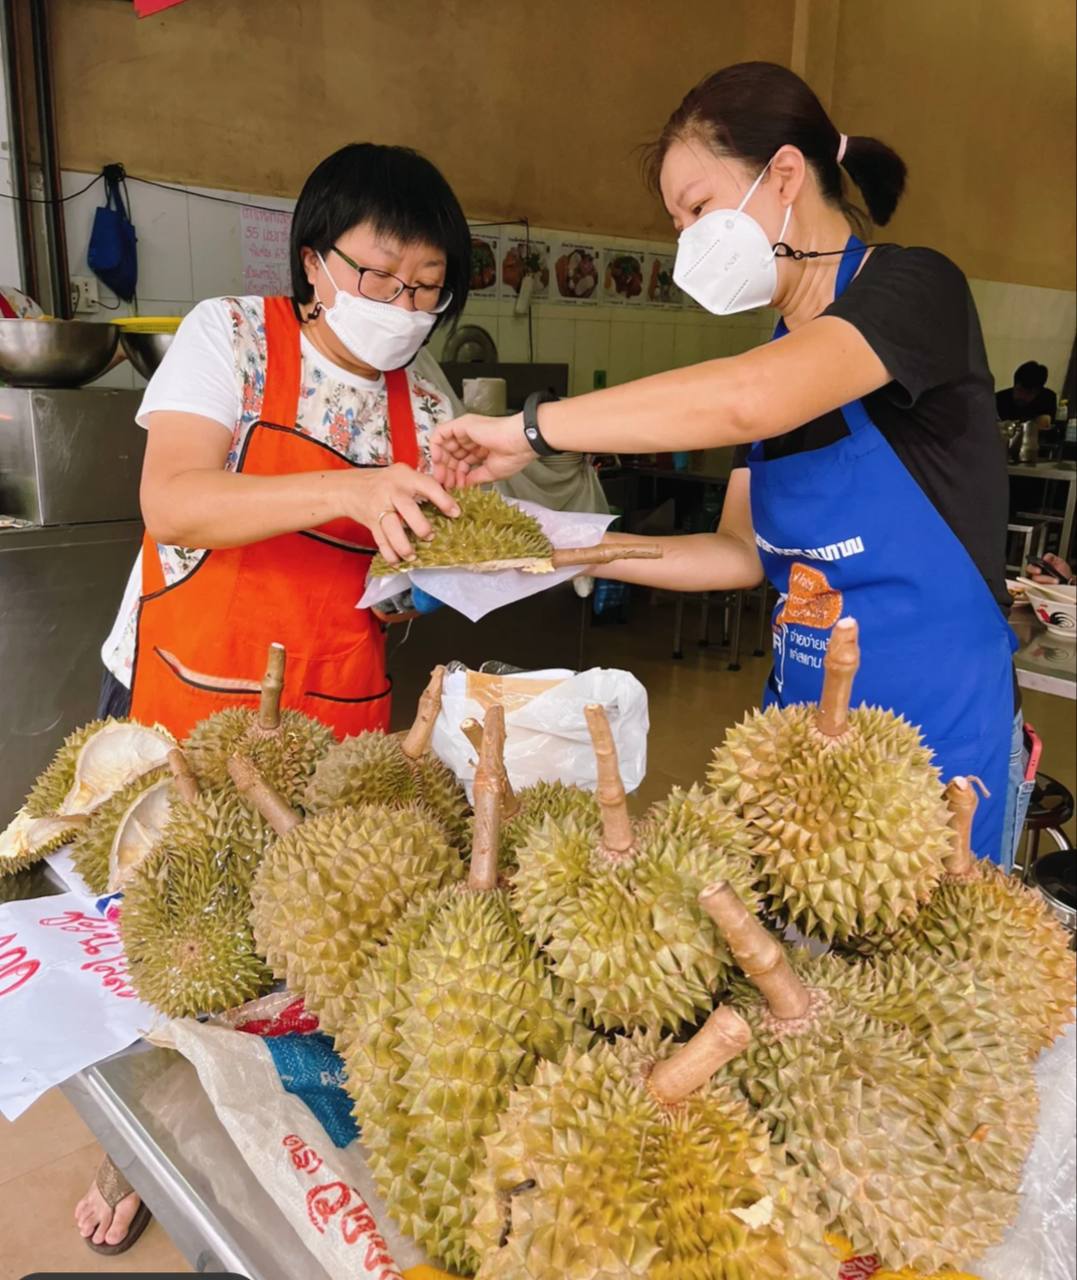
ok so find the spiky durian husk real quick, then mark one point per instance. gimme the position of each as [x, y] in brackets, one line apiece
[51, 787]
[628, 1189]
[285, 758]
[554, 800]
[370, 768]
[850, 833]
[454, 1013]
[628, 938]
[1013, 943]
[963, 1027]
[870, 1114]
[27, 840]
[488, 528]
[185, 918]
[90, 849]
[328, 892]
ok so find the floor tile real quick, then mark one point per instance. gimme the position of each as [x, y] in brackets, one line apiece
[51, 1128]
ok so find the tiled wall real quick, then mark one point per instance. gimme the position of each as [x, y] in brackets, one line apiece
[189, 248]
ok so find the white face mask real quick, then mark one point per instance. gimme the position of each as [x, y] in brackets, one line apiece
[378, 334]
[725, 260]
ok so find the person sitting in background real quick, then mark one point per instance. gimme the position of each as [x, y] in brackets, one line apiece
[1029, 398]
[1056, 562]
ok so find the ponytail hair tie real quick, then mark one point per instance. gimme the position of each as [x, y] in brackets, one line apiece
[841, 147]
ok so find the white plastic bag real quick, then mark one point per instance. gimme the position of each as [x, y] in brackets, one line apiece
[546, 737]
[477, 594]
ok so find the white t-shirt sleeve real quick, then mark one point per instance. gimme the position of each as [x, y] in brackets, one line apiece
[198, 372]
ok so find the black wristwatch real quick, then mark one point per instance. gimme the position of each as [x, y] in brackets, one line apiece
[532, 433]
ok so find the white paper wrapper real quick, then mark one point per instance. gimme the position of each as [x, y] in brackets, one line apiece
[477, 594]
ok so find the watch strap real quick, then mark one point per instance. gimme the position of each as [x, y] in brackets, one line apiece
[532, 434]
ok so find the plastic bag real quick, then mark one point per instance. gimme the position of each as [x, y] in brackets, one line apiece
[546, 737]
[477, 594]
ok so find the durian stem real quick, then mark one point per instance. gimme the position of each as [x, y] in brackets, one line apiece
[841, 665]
[272, 689]
[183, 777]
[617, 835]
[962, 799]
[570, 557]
[258, 793]
[759, 954]
[417, 739]
[721, 1038]
[486, 840]
[472, 731]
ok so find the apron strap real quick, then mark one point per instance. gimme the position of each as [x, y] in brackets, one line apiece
[402, 431]
[280, 400]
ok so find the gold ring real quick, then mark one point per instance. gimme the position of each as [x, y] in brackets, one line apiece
[389, 511]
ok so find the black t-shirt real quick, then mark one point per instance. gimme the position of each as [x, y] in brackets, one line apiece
[914, 309]
[1009, 410]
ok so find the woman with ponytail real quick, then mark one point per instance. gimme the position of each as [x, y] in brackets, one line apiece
[867, 478]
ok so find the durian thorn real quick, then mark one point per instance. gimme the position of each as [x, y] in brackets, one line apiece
[841, 664]
[961, 798]
[183, 776]
[724, 1036]
[617, 836]
[257, 792]
[472, 731]
[417, 739]
[272, 689]
[759, 953]
[571, 557]
[486, 839]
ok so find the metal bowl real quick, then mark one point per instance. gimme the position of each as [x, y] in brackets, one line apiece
[55, 353]
[145, 350]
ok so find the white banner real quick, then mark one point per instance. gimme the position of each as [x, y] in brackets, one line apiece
[65, 998]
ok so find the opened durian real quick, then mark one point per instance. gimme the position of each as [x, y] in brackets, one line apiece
[330, 888]
[185, 917]
[397, 769]
[283, 746]
[50, 790]
[120, 832]
[630, 1162]
[27, 840]
[456, 1010]
[110, 759]
[879, 1124]
[981, 916]
[845, 809]
[615, 905]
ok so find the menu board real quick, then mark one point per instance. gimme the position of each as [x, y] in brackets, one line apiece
[266, 253]
[658, 274]
[485, 254]
[523, 258]
[622, 276]
[576, 268]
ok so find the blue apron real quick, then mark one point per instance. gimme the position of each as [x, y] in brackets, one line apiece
[845, 531]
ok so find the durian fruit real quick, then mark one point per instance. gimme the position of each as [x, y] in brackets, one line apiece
[456, 1010]
[990, 920]
[487, 529]
[631, 1162]
[112, 758]
[27, 840]
[845, 808]
[330, 888]
[185, 916]
[17, 885]
[122, 830]
[615, 905]
[50, 790]
[880, 1125]
[283, 746]
[396, 769]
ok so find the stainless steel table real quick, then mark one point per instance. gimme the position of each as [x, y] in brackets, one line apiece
[1067, 473]
[1043, 662]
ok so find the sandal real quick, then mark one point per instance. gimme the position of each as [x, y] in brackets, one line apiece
[114, 1187]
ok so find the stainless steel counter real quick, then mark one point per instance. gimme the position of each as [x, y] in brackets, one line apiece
[1043, 662]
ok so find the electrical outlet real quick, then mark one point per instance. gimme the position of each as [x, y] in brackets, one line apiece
[84, 297]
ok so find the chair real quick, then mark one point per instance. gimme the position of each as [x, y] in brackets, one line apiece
[1049, 809]
[732, 608]
[1033, 538]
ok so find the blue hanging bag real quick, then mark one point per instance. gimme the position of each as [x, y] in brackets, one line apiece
[113, 252]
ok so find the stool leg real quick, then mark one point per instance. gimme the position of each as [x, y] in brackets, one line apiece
[738, 611]
[705, 621]
[764, 618]
[678, 626]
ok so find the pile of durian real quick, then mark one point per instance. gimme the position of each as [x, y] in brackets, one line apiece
[579, 1045]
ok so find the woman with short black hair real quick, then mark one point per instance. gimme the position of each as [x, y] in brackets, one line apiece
[289, 440]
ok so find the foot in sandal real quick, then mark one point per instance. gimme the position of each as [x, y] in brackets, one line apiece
[110, 1217]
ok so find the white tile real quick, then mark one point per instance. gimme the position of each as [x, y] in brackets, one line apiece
[592, 351]
[688, 345]
[513, 339]
[658, 342]
[556, 340]
[164, 242]
[626, 352]
[216, 253]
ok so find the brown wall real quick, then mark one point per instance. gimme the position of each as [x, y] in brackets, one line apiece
[529, 109]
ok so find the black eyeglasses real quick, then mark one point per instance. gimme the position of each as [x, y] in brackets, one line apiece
[382, 286]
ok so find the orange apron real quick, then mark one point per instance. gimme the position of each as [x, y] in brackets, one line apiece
[202, 641]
